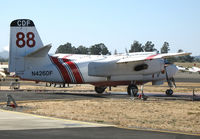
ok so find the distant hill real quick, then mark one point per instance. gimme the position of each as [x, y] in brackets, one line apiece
[4, 54]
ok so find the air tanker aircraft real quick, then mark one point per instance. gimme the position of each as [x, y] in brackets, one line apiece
[29, 59]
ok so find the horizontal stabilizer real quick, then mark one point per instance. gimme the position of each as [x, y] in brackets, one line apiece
[133, 58]
[41, 52]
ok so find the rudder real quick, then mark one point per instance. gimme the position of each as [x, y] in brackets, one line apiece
[24, 39]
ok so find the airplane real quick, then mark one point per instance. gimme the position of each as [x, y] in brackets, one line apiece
[29, 59]
[190, 70]
[181, 68]
[4, 70]
[195, 69]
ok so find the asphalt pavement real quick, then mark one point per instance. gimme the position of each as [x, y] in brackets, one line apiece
[90, 133]
[16, 125]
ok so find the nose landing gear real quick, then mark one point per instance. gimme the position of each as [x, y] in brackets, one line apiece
[171, 83]
[169, 92]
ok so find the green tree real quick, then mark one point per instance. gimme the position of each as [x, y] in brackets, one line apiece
[180, 50]
[136, 47]
[99, 49]
[197, 59]
[149, 47]
[66, 48]
[82, 50]
[3, 59]
[186, 58]
[165, 48]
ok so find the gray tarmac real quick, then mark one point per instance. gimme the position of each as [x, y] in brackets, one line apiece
[90, 133]
[187, 77]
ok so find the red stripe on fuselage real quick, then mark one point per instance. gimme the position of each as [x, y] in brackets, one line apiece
[74, 69]
[62, 69]
[151, 57]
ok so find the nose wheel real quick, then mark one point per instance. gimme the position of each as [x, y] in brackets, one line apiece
[169, 92]
[132, 90]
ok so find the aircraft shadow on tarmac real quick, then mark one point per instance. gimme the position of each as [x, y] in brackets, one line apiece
[78, 94]
[123, 95]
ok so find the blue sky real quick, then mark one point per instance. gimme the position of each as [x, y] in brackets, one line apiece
[116, 23]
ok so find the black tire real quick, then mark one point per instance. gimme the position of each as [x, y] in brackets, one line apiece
[100, 90]
[169, 92]
[48, 84]
[132, 89]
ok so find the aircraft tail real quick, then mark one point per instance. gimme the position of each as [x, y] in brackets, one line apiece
[24, 41]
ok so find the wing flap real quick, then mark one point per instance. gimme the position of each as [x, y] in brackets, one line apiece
[150, 57]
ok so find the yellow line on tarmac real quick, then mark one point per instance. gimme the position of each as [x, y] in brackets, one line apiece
[53, 118]
[162, 131]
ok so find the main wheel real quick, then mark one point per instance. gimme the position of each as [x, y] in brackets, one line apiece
[48, 84]
[169, 92]
[132, 89]
[100, 90]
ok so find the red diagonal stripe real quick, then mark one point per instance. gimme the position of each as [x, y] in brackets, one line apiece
[74, 69]
[151, 57]
[62, 69]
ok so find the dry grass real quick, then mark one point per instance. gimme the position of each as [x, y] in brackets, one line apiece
[155, 114]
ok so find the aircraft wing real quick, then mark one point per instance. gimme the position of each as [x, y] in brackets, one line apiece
[149, 57]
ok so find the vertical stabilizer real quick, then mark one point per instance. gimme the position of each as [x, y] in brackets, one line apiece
[24, 39]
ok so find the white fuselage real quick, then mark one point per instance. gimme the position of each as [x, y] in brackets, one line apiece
[94, 69]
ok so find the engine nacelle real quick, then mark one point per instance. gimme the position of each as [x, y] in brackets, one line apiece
[152, 66]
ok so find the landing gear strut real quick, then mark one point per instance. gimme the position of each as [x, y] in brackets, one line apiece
[132, 89]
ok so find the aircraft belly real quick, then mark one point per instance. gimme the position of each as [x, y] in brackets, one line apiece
[126, 78]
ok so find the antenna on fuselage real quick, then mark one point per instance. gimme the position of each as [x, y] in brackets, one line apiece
[127, 53]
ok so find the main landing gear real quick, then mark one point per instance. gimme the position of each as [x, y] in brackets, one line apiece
[132, 90]
[100, 89]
